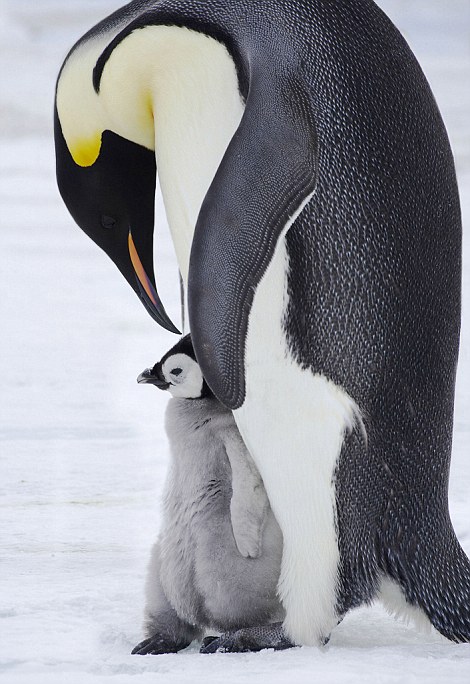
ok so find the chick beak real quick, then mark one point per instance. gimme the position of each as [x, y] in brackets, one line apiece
[148, 377]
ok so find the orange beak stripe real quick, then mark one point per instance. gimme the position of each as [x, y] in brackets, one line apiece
[140, 272]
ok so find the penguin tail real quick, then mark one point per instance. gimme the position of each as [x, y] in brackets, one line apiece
[433, 573]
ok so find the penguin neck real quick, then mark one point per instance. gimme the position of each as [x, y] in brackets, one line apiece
[176, 91]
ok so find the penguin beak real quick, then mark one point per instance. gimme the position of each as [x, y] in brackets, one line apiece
[147, 377]
[112, 200]
[148, 292]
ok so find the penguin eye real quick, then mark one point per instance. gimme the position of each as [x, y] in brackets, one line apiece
[176, 371]
[108, 221]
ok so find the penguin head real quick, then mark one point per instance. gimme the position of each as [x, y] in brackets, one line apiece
[106, 171]
[178, 372]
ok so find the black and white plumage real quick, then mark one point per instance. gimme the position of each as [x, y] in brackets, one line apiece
[217, 560]
[310, 191]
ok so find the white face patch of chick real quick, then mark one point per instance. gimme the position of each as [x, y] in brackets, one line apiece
[184, 375]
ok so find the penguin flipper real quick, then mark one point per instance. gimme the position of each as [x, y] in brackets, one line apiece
[249, 504]
[267, 175]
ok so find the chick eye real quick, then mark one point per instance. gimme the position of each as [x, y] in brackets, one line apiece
[176, 371]
[108, 221]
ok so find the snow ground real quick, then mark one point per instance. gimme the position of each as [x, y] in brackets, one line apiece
[82, 451]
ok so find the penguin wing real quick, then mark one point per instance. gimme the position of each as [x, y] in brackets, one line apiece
[266, 177]
[249, 504]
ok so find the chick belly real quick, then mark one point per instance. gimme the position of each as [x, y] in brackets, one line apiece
[238, 591]
[210, 584]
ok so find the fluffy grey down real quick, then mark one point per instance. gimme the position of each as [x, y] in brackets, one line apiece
[217, 559]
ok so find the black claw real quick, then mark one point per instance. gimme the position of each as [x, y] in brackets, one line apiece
[206, 641]
[154, 646]
[210, 645]
[140, 648]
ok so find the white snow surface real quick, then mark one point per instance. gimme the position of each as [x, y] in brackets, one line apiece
[83, 453]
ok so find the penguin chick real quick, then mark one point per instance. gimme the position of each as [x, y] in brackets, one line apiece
[180, 374]
[216, 563]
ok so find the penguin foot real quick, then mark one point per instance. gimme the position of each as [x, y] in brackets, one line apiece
[156, 645]
[248, 639]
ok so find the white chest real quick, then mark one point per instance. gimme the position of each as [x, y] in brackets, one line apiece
[197, 109]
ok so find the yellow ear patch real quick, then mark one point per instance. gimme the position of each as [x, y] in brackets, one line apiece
[85, 151]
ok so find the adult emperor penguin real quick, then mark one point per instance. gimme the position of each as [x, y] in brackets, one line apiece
[311, 195]
[218, 556]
